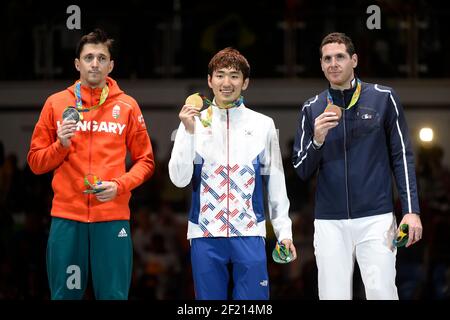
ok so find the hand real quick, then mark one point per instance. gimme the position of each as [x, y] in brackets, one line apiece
[288, 244]
[415, 227]
[186, 115]
[66, 131]
[109, 193]
[323, 124]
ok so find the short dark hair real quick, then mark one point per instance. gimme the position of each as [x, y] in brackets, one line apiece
[338, 37]
[229, 58]
[95, 37]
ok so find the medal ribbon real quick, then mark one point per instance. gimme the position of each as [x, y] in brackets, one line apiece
[79, 103]
[209, 112]
[355, 96]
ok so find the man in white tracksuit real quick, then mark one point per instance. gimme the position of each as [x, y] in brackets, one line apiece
[230, 154]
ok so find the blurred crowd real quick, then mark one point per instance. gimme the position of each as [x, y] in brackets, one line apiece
[161, 267]
[153, 38]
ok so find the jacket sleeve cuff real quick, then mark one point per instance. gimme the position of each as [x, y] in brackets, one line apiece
[120, 187]
[285, 235]
[60, 148]
[414, 212]
[316, 145]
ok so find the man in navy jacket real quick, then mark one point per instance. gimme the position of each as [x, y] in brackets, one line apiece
[355, 153]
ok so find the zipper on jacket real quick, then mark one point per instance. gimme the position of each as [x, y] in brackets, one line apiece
[345, 160]
[228, 174]
[90, 148]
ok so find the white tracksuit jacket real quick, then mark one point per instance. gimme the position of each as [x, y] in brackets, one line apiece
[230, 163]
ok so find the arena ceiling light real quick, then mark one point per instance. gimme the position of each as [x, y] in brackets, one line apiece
[426, 134]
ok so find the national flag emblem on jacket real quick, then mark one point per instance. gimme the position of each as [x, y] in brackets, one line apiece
[116, 112]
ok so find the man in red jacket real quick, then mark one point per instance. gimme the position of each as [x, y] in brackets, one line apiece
[90, 212]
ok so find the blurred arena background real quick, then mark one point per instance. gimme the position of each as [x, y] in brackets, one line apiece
[162, 51]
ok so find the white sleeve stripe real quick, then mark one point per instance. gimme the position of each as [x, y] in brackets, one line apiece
[303, 125]
[403, 147]
[304, 157]
[311, 102]
[303, 135]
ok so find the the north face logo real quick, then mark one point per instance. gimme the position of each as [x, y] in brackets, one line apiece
[264, 283]
[122, 233]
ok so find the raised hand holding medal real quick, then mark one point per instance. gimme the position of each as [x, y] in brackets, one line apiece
[66, 130]
[193, 105]
[195, 100]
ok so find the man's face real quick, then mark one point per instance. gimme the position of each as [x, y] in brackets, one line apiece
[337, 65]
[227, 85]
[94, 65]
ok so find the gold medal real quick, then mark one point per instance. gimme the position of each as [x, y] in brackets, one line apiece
[195, 100]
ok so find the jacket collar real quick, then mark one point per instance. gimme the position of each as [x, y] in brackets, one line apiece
[342, 98]
[91, 96]
[223, 110]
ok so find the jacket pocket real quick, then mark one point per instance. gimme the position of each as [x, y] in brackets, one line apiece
[366, 121]
[108, 172]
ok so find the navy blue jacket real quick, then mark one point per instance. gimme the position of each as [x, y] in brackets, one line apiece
[356, 161]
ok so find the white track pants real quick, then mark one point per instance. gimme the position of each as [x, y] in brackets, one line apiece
[369, 239]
